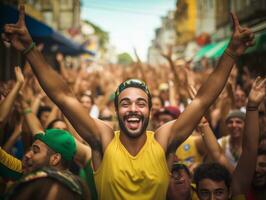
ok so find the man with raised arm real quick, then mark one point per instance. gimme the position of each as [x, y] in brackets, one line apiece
[131, 163]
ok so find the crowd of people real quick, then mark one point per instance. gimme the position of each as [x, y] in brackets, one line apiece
[132, 132]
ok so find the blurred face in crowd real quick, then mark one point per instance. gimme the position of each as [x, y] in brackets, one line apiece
[259, 179]
[44, 116]
[86, 102]
[133, 112]
[164, 118]
[212, 190]
[164, 94]
[240, 98]
[156, 104]
[60, 125]
[38, 156]
[235, 127]
[179, 184]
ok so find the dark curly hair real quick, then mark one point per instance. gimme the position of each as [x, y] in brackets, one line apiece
[213, 171]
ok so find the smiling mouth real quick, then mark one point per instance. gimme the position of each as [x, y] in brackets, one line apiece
[133, 122]
[133, 119]
[260, 176]
[179, 182]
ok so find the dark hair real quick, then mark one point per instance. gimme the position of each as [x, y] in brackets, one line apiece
[106, 118]
[88, 95]
[43, 109]
[51, 124]
[39, 188]
[132, 83]
[159, 97]
[179, 166]
[213, 171]
[64, 163]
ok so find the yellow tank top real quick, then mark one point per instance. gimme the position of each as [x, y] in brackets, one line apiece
[123, 176]
[187, 152]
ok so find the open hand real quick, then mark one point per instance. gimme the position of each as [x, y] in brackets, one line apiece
[257, 92]
[19, 75]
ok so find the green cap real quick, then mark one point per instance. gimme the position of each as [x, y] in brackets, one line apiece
[60, 141]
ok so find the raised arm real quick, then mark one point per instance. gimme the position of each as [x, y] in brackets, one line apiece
[212, 146]
[31, 119]
[210, 141]
[8, 102]
[173, 134]
[96, 133]
[83, 153]
[246, 165]
[139, 65]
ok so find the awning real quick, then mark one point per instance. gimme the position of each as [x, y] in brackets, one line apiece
[201, 53]
[260, 44]
[41, 33]
[213, 50]
[218, 49]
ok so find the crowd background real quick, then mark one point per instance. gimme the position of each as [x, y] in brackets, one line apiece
[170, 86]
[173, 84]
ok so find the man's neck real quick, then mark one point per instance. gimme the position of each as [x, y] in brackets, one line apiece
[133, 145]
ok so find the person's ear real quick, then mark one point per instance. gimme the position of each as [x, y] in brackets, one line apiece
[55, 159]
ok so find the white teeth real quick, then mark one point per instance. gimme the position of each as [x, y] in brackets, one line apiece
[133, 119]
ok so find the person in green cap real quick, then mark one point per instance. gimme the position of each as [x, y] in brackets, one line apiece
[54, 148]
[131, 163]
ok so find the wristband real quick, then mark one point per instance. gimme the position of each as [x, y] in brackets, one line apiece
[251, 108]
[29, 48]
[233, 55]
[27, 111]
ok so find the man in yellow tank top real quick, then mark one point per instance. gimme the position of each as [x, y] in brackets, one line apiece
[131, 163]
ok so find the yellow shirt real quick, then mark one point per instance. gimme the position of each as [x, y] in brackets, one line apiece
[123, 176]
[10, 167]
[187, 152]
[194, 195]
[239, 197]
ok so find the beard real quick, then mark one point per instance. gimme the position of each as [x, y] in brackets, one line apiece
[131, 134]
[29, 165]
[259, 183]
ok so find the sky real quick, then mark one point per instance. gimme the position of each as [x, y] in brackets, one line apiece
[130, 23]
